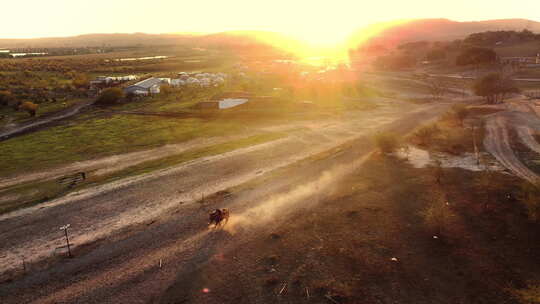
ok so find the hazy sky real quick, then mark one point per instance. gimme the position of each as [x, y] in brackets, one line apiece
[324, 21]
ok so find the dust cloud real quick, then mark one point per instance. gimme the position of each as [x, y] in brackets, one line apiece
[303, 196]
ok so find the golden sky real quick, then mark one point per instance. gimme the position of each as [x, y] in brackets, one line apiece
[322, 22]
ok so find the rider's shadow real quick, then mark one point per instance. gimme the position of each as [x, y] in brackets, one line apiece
[191, 283]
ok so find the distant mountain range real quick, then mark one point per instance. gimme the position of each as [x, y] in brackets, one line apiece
[393, 33]
[389, 33]
[98, 40]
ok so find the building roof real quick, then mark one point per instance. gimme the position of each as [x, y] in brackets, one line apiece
[148, 83]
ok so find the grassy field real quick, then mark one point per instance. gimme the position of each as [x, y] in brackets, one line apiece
[109, 131]
[13, 116]
[29, 194]
[89, 137]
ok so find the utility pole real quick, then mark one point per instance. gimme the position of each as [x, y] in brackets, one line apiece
[475, 147]
[65, 228]
[464, 85]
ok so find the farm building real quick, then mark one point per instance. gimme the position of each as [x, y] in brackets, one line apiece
[146, 87]
[177, 82]
[222, 104]
[227, 100]
[199, 79]
[231, 102]
[165, 81]
[113, 79]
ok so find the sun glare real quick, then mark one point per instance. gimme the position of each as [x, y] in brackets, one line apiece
[324, 45]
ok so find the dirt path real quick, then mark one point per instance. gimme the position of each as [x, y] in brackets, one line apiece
[526, 136]
[521, 116]
[125, 267]
[497, 143]
[43, 121]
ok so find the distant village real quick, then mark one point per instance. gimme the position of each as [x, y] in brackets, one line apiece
[152, 86]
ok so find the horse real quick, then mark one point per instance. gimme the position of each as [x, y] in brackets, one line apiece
[218, 216]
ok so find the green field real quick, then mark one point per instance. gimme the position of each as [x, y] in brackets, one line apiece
[88, 138]
[33, 193]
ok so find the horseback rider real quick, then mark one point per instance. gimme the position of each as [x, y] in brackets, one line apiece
[218, 216]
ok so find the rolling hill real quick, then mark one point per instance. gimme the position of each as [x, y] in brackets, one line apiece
[388, 34]
[394, 33]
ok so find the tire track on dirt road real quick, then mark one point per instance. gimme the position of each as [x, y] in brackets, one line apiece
[526, 136]
[520, 115]
[497, 142]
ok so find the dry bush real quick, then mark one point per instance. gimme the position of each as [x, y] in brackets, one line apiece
[530, 196]
[455, 141]
[426, 134]
[456, 115]
[529, 295]
[460, 112]
[29, 107]
[110, 96]
[334, 289]
[387, 142]
[438, 217]
[437, 171]
[489, 186]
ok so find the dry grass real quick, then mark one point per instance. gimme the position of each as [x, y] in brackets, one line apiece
[450, 134]
[343, 249]
[528, 295]
[387, 142]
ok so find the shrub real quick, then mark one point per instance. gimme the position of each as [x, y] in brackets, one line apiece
[439, 218]
[456, 115]
[387, 142]
[426, 134]
[528, 295]
[395, 62]
[81, 81]
[6, 98]
[494, 88]
[460, 112]
[110, 96]
[455, 141]
[29, 107]
[436, 54]
[530, 196]
[476, 55]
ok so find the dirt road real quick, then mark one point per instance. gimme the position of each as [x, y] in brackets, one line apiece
[520, 115]
[43, 121]
[122, 231]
